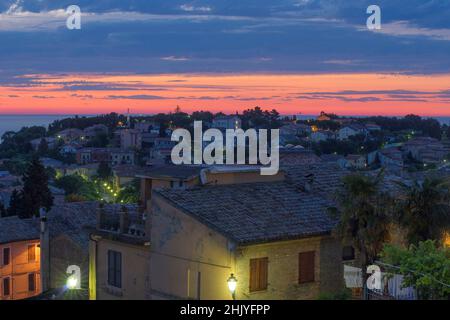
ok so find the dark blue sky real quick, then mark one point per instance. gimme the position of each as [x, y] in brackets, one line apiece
[271, 36]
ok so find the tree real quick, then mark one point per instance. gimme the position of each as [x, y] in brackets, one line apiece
[36, 193]
[43, 147]
[16, 207]
[2, 210]
[363, 218]
[425, 266]
[104, 171]
[424, 209]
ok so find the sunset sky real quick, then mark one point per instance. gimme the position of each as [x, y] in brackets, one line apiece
[298, 56]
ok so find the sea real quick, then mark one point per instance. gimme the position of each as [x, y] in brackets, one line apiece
[16, 122]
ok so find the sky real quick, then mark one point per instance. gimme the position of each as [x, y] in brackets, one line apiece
[297, 56]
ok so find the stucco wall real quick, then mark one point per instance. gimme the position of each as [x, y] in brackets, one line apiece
[18, 270]
[189, 260]
[135, 271]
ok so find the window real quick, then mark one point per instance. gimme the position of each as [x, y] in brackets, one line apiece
[348, 253]
[6, 286]
[6, 256]
[115, 269]
[306, 266]
[31, 282]
[31, 253]
[258, 274]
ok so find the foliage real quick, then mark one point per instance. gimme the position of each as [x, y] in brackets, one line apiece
[104, 171]
[36, 194]
[15, 204]
[100, 140]
[14, 143]
[76, 186]
[425, 267]
[257, 118]
[75, 198]
[110, 120]
[363, 218]
[424, 210]
[3, 212]
[428, 127]
[130, 193]
[344, 294]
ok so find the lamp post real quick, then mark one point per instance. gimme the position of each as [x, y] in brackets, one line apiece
[232, 282]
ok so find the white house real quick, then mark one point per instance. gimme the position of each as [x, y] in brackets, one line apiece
[351, 130]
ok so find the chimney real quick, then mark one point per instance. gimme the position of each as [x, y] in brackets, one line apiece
[309, 182]
[45, 251]
[124, 220]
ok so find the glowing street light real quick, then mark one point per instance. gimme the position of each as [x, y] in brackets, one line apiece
[72, 282]
[232, 282]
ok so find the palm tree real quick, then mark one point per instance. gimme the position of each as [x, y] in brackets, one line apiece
[423, 210]
[363, 214]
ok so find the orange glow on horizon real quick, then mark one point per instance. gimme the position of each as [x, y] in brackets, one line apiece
[344, 94]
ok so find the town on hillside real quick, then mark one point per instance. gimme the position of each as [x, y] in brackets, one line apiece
[92, 207]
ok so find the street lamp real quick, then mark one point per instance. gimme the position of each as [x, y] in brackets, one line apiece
[72, 282]
[232, 282]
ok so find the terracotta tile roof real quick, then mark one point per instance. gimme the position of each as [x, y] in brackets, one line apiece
[255, 212]
[13, 229]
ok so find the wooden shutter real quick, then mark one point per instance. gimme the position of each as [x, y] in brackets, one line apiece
[6, 286]
[31, 282]
[258, 274]
[31, 253]
[306, 266]
[6, 256]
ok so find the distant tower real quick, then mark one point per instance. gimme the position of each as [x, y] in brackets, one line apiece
[128, 118]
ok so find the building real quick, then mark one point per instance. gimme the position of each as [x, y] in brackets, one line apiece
[390, 158]
[65, 242]
[92, 155]
[351, 130]
[297, 156]
[274, 239]
[51, 142]
[353, 161]
[322, 135]
[84, 170]
[125, 174]
[91, 132]
[372, 127]
[323, 117]
[425, 149]
[120, 256]
[114, 156]
[227, 122]
[20, 275]
[147, 127]
[70, 135]
[120, 156]
[331, 158]
[130, 139]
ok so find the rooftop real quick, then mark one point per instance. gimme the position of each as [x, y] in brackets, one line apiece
[13, 229]
[255, 212]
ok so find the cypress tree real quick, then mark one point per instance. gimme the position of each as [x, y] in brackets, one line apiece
[16, 207]
[36, 193]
